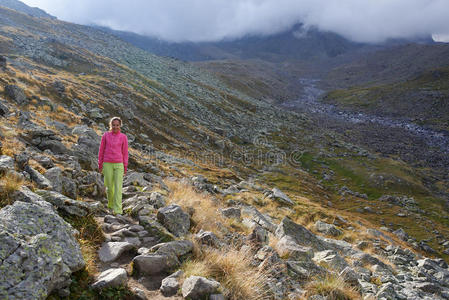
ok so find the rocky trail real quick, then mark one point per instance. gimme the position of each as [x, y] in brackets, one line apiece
[146, 248]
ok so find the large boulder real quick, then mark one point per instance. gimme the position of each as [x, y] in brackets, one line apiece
[16, 93]
[299, 234]
[174, 219]
[38, 251]
[197, 287]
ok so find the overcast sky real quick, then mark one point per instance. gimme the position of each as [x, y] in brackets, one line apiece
[209, 20]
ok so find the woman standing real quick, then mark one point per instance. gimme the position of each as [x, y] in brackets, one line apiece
[113, 163]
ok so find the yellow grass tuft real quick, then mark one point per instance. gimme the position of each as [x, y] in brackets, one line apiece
[233, 270]
[205, 212]
[11, 145]
[333, 287]
[90, 238]
[8, 185]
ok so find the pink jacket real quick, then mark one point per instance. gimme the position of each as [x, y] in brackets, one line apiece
[113, 149]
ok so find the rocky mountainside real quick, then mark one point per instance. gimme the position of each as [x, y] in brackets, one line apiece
[21, 7]
[227, 196]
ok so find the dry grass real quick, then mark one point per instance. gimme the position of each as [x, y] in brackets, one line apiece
[205, 212]
[233, 270]
[8, 185]
[37, 166]
[11, 145]
[333, 287]
[90, 238]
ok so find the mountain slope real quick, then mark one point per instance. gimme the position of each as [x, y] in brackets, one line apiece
[21, 7]
[216, 152]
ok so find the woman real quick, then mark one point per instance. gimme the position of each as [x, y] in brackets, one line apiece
[113, 163]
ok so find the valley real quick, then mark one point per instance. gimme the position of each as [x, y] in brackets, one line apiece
[259, 172]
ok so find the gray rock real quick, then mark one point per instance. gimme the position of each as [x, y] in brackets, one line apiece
[299, 234]
[279, 196]
[92, 185]
[24, 194]
[196, 287]
[174, 219]
[65, 204]
[45, 161]
[38, 178]
[38, 252]
[169, 286]
[178, 248]
[4, 110]
[138, 293]
[259, 235]
[54, 175]
[154, 228]
[157, 200]
[111, 278]
[6, 164]
[136, 179]
[154, 264]
[428, 287]
[264, 252]
[327, 229]
[87, 146]
[111, 251]
[331, 259]
[303, 270]
[207, 238]
[217, 297]
[231, 212]
[69, 188]
[257, 218]
[288, 248]
[350, 276]
[16, 93]
[54, 146]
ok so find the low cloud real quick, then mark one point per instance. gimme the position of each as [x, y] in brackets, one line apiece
[211, 20]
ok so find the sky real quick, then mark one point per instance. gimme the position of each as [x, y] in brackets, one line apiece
[369, 21]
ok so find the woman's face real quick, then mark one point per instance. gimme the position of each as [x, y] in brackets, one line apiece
[115, 126]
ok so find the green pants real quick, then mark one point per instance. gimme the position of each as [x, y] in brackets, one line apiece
[113, 181]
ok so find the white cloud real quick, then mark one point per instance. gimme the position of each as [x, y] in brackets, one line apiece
[207, 20]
